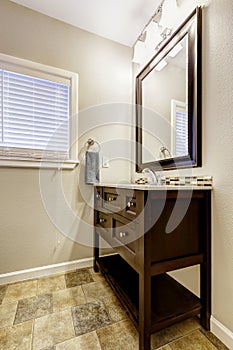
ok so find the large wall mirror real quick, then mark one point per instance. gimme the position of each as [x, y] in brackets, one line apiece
[168, 99]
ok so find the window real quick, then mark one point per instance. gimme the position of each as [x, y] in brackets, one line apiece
[36, 105]
[179, 130]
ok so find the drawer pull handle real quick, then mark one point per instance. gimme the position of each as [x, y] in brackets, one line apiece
[110, 199]
[97, 196]
[130, 204]
[122, 234]
[102, 221]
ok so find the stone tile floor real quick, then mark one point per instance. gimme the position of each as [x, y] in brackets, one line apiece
[79, 311]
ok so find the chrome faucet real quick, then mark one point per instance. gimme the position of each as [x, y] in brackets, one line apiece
[153, 177]
[164, 150]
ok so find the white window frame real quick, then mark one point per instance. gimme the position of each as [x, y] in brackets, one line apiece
[42, 71]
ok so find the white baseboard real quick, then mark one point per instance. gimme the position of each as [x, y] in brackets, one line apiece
[221, 332]
[43, 271]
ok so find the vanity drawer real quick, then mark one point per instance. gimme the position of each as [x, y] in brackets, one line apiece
[133, 204]
[124, 240]
[112, 199]
[103, 220]
[103, 224]
[125, 233]
[127, 202]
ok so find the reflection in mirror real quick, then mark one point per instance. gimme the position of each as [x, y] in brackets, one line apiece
[168, 98]
[164, 91]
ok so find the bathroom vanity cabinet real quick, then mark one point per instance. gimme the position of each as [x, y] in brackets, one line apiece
[154, 230]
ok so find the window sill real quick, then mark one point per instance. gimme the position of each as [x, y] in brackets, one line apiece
[29, 163]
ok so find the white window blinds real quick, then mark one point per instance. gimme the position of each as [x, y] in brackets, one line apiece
[181, 133]
[179, 129]
[34, 120]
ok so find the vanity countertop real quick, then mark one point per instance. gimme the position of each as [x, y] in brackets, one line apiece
[155, 187]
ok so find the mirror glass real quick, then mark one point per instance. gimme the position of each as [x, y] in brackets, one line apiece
[164, 91]
[168, 97]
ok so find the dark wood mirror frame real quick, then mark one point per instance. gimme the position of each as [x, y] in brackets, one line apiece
[194, 31]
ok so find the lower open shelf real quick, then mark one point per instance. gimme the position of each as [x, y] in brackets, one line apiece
[171, 302]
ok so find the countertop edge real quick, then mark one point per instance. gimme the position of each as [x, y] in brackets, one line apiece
[154, 187]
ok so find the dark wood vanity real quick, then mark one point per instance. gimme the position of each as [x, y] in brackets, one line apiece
[134, 221]
[158, 229]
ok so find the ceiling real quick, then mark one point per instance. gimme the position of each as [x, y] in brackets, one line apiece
[118, 20]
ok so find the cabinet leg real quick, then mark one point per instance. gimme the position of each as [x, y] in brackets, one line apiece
[205, 296]
[144, 311]
[206, 268]
[144, 342]
[96, 251]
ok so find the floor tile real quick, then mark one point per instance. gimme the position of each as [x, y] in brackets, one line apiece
[7, 314]
[164, 336]
[188, 325]
[67, 298]
[193, 341]
[89, 317]
[51, 284]
[214, 340]
[115, 309]
[20, 290]
[52, 329]
[34, 307]
[78, 277]
[97, 276]
[118, 336]
[79, 311]
[2, 292]
[17, 337]
[97, 290]
[88, 341]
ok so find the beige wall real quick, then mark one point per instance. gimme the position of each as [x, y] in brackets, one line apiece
[30, 216]
[217, 149]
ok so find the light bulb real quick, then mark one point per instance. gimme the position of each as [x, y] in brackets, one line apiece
[139, 52]
[153, 38]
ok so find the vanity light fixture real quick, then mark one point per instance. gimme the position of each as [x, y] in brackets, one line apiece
[158, 29]
[147, 43]
[139, 52]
